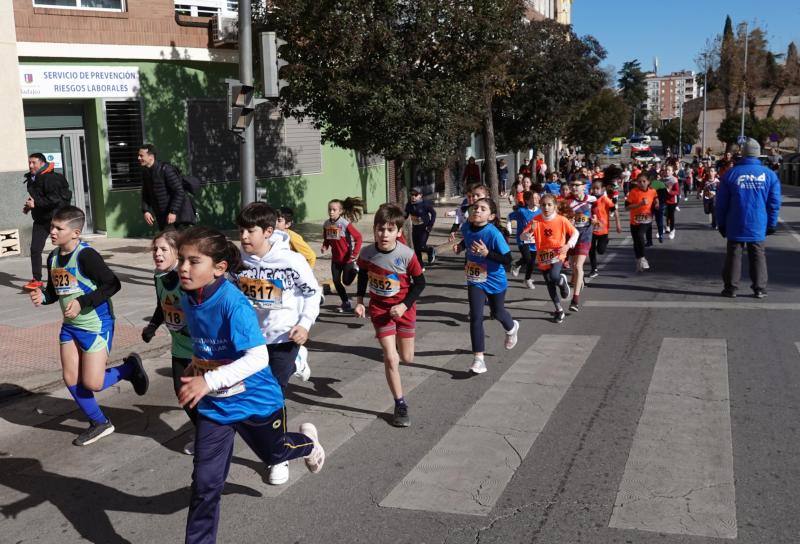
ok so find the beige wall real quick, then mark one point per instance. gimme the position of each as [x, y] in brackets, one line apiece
[13, 153]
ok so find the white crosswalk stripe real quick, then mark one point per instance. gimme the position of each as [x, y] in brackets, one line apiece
[466, 472]
[679, 475]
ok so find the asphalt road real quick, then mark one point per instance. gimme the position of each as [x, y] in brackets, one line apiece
[659, 413]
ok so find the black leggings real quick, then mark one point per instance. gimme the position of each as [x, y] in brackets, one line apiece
[419, 237]
[527, 259]
[638, 233]
[179, 365]
[671, 216]
[599, 245]
[477, 300]
[336, 275]
[553, 279]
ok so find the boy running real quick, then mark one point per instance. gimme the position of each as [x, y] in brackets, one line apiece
[525, 242]
[423, 217]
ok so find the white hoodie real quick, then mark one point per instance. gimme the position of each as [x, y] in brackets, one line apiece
[282, 288]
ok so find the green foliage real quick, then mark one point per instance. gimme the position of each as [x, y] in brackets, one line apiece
[600, 119]
[551, 72]
[633, 89]
[671, 135]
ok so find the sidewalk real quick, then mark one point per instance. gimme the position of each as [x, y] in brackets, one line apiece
[28, 335]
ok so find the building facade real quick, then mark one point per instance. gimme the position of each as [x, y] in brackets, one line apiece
[95, 83]
[558, 10]
[666, 94]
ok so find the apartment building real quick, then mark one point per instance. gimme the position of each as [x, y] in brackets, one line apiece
[558, 10]
[96, 78]
[666, 94]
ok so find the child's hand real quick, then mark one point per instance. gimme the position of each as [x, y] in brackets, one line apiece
[398, 310]
[479, 248]
[361, 310]
[192, 390]
[456, 249]
[36, 297]
[619, 230]
[73, 309]
[148, 333]
[298, 335]
[322, 250]
[452, 237]
[571, 243]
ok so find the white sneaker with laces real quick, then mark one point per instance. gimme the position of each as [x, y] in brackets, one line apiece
[316, 458]
[511, 336]
[645, 264]
[515, 270]
[303, 371]
[478, 365]
[279, 474]
[672, 234]
[530, 284]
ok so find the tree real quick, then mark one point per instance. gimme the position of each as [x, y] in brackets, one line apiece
[600, 119]
[730, 68]
[671, 135]
[633, 89]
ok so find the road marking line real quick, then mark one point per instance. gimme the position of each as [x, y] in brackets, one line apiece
[679, 475]
[467, 471]
[793, 232]
[699, 305]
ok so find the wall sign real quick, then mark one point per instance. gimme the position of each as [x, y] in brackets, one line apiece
[58, 81]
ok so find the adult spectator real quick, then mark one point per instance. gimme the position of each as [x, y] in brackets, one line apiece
[472, 173]
[164, 200]
[747, 204]
[502, 176]
[47, 191]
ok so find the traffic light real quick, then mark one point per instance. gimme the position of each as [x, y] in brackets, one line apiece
[241, 105]
[271, 63]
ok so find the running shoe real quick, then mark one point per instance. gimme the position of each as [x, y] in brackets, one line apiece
[302, 370]
[139, 379]
[530, 284]
[400, 418]
[558, 316]
[728, 293]
[33, 284]
[431, 256]
[645, 264]
[574, 307]
[478, 365]
[648, 244]
[639, 267]
[563, 285]
[279, 474]
[345, 308]
[660, 239]
[677, 208]
[515, 270]
[316, 458]
[672, 234]
[188, 448]
[594, 273]
[511, 336]
[95, 432]
[759, 293]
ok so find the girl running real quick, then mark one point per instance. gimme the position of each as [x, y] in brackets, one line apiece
[487, 256]
[554, 235]
[525, 242]
[709, 194]
[604, 208]
[170, 313]
[344, 241]
[229, 380]
[641, 202]
[583, 216]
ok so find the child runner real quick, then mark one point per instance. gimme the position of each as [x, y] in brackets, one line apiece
[230, 380]
[583, 216]
[474, 193]
[604, 207]
[519, 199]
[297, 243]
[641, 202]
[344, 241]
[709, 194]
[673, 194]
[169, 312]
[552, 186]
[525, 242]
[81, 282]
[487, 256]
[423, 217]
[395, 279]
[554, 235]
[281, 287]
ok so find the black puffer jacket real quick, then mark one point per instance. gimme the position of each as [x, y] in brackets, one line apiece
[163, 194]
[46, 194]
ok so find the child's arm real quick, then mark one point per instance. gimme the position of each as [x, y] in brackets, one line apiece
[361, 290]
[48, 294]
[431, 216]
[95, 268]
[325, 243]
[311, 290]
[155, 321]
[357, 241]
[616, 220]
[195, 388]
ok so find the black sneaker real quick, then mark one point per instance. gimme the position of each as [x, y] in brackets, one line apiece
[345, 308]
[139, 377]
[594, 273]
[759, 293]
[95, 432]
[729, 293]
[558, 316]
[574, 307]
[563, 286]
[431, 256]
[401, 418]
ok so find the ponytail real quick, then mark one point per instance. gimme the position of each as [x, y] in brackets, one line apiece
[352, 208]
[213, 243]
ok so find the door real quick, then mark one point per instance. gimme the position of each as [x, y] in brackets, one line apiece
[67, 151]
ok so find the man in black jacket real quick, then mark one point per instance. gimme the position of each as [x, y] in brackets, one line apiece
[164, 200]
[48, 190]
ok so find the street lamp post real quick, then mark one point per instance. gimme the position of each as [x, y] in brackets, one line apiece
[705, 109]
[744, 80]
[247, 155]
[680, 131]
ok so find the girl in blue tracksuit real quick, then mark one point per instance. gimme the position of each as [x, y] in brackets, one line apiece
[228, 380]
[525, 242]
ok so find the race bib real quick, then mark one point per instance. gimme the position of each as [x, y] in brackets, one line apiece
[548, 256]
[262, 293]
[416, 220]
[643, 218]
[476, 272]
[201, 366]
[333, 233]
[580, 220]
[65, 282]
[173, 317]
[383, 286]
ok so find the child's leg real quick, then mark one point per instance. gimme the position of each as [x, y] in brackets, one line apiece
[336, 274]
[552, 277]
[477, 300]
[525, 256]
[498, 309]
[268, 439]
[179, 365]
[405, 347]
[577, 273]
[212, 460]
[391, 365]
[70, 364]
[530, 265]
[418, 240]
[593, 252]
[282, 361]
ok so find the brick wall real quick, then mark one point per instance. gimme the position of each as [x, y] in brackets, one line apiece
[146, 22]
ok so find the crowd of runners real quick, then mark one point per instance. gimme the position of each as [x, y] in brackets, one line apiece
[239, 316]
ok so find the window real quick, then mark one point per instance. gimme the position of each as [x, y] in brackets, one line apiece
[207, 8]
[124, 126]
[105, 5]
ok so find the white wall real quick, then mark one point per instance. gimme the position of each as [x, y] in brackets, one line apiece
[13, 152]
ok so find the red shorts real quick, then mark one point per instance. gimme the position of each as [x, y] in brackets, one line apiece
[581, 248]
[386, 325]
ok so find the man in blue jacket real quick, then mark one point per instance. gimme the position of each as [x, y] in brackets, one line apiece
[747, 206]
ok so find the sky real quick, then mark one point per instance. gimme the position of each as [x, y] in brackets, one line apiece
[676, 31]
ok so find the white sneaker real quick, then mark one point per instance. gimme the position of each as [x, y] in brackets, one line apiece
[639, 267]
[511, 336]
[645, 264]
[303, 371]
[316, 458]
[478, 365]
[279, 474]
[515, 270]
[530, 284]
[672, 234]
[188, 449]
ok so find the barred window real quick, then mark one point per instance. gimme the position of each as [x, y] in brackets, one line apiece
[124, 126]
[107, 5]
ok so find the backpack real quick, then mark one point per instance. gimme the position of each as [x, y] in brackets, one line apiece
[191, 184]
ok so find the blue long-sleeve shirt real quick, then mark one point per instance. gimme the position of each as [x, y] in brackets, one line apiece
[748, 201]
[523, 216]
[421, 213]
